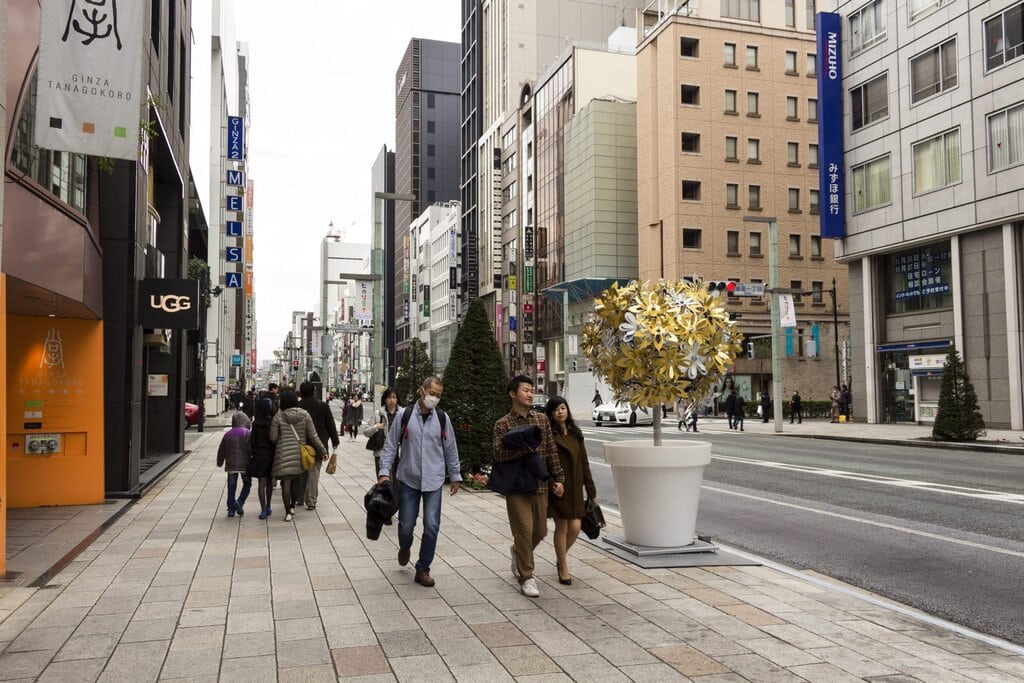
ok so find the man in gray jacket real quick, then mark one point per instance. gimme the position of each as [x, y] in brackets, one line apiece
[427, 448]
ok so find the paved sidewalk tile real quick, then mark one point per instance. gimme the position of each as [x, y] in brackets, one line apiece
[175, 590]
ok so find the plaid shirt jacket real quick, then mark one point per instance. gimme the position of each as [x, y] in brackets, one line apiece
[548, 451]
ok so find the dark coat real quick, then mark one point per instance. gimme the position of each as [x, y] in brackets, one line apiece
[572, 454]
[262, 451]
[234, 453]
[323, 420]
[380, 506]
[730, 404]
[354, 417]
[739, 406]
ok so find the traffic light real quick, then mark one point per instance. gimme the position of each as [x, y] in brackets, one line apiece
[750, 349]
[574, 365]
[720, 287]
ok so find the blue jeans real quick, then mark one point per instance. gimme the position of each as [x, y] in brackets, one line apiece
[234, 504]
[408, 509]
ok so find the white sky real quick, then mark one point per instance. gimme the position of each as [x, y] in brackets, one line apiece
[322, 81]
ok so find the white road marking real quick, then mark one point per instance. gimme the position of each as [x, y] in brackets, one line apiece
[984, 494]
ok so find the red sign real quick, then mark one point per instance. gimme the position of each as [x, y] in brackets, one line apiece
[540, 366]
[527, 308]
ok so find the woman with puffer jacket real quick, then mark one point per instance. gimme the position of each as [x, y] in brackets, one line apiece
[290, 429]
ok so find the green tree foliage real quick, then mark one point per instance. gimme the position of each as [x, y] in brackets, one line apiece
[412, 372]
[959, 418]
[198, 269]
[475, 385]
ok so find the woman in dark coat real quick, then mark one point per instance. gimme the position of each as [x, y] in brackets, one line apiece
[262, 451]
[568, 509]
[354, 418]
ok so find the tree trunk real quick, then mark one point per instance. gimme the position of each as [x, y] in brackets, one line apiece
[657, 424]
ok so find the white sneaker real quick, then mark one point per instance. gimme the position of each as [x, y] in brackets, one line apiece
[529, 588]
[288, 517]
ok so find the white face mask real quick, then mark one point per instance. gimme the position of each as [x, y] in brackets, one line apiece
[430, 402]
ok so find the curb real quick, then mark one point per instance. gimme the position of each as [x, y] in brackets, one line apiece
[946, 445]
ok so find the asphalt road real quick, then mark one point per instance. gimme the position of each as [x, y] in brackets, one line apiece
[939, 530]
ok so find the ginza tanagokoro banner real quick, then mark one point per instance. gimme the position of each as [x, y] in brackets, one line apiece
[90, 96]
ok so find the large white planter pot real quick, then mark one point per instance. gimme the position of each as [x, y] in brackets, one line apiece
[659, 489]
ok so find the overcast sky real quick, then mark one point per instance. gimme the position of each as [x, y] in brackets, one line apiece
[322, 82]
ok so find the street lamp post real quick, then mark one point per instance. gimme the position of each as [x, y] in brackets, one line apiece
[377, 268]
[773, 283]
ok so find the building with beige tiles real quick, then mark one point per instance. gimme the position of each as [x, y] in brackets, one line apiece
[727, 130]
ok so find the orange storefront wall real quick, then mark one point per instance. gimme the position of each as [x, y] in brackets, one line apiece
[54, 388]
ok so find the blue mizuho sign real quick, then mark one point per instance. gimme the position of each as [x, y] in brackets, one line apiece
[830, 127]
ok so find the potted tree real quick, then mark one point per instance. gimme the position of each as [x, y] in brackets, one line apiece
[654, 344]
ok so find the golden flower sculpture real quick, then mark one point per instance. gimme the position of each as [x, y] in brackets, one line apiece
[656, 343]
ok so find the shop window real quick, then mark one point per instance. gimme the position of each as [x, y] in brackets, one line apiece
[919, 279]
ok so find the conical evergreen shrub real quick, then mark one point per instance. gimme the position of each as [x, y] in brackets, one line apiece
[412, 372]
[959, 418]
[475, 384]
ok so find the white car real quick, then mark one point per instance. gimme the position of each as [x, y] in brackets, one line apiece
[621, 413]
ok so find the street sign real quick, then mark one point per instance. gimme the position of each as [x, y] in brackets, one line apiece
[749, 289]
[220, 378]
[353, 329]
[236, 360]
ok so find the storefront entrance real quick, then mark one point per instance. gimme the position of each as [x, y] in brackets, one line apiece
[910, 376]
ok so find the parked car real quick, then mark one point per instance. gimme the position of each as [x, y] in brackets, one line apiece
[540, 401]
[191, 414]
[621, 413]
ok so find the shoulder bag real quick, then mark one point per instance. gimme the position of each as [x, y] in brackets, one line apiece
[307, 452]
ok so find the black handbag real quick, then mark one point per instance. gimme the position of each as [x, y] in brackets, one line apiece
[593, 519]
[376, 442]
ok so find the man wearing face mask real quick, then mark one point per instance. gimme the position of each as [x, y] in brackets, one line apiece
[424, 444]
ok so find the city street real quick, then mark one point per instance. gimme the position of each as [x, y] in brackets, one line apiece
[932, 528]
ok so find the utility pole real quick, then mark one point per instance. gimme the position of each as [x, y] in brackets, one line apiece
[773, 284]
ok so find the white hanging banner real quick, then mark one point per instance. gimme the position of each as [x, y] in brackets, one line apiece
[787, 312]
[364, 303]
[90, 92]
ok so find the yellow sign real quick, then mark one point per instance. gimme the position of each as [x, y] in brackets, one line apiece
[511, 281]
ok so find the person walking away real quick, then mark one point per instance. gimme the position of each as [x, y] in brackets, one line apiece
[766, 405]
[680, 409]
[597, 398]
[355, 416]
[345, 406]
[845, 400]
[693, 415]
[422, 435]
[326, 430]
[262, 462]
[835, 398]
[527, 513]
[289, 430]
[730, 409]
[385, 416]
[233, 455]
[796, 408]
[739, 410]
[568, 510]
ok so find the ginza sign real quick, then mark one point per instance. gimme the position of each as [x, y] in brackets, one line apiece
[169, 304]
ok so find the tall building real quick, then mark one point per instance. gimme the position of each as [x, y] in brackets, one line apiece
[932, 121]
[345, 303]
[727, 136]
[506, 45]
[434, 239]
[426, 152]
[382, 179]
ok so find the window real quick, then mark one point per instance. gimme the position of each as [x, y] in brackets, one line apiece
[792, 153]
[749, 10]
[791, 109]
[430, 126]
[872, 184]
[754, 197]
[430, 173]
[798, 285]
[430, 100]
[815, 243]
[812, 110]
[790, 62]
[691, 238]
[691, 190]
[817, 289]
[753, 151]
[730, 149]
[794, 245]
[730, 101]
[730, 54]
[870, 102]
[794, 201]
[937, 162]
[814, 194]
[689, 94]
[752, 99]
[1006, 138]
[921, 8]
[812, 155]
[810, 15]
[919, 279]
[812, 65]
[933, 71]
[755, 244]
[691, 142]
[430, 150]
[732, 242]
[689, 47]
[752, 58]
[867, 26]
[1004, 37]
[791, 13]
[732, 192]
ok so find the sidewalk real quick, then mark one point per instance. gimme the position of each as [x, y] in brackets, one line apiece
[176, 589]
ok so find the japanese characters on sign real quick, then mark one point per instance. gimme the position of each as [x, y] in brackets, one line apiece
[830, 126]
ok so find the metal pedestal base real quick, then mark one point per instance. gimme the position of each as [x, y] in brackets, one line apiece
[619, 541]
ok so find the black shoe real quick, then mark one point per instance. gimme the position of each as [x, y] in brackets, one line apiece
[565, 582]
[403, 558]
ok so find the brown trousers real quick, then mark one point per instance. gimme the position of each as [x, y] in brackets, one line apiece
[528, 519]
